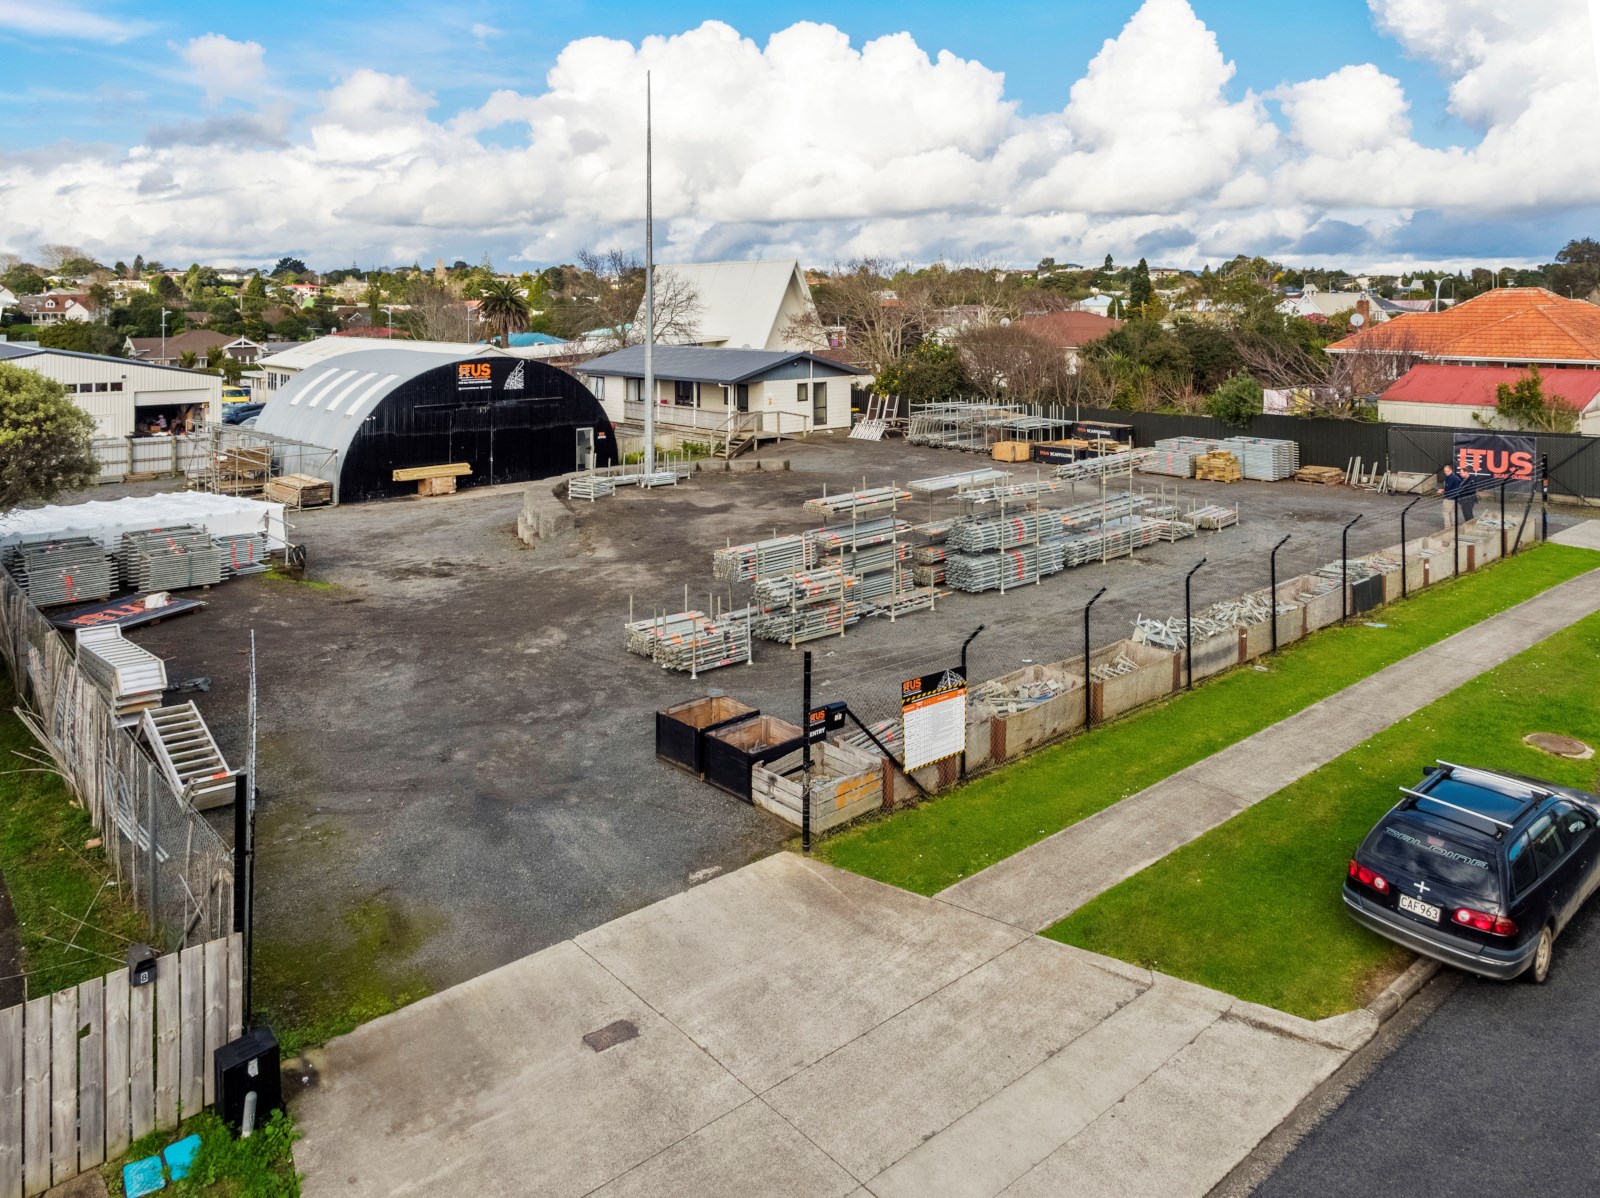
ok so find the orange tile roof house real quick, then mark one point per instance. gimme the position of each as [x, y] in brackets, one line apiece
[1510, 326]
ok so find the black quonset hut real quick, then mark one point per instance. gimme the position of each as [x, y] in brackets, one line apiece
[386, 409]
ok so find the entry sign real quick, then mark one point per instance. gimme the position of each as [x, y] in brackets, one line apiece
[933, 709]
[822, 720]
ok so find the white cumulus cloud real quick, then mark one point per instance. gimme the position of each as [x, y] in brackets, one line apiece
[811, 145]
[226, 68]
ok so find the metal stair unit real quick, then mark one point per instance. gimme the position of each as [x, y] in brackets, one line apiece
[736, 435]
[188, 756]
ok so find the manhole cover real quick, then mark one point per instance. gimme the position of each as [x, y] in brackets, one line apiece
[612, 1035]
[1559, 746]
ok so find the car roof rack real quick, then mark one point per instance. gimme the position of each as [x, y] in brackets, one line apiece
[1488, 819]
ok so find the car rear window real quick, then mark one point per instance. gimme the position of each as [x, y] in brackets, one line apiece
[1423, 852]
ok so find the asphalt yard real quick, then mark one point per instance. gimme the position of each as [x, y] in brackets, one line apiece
[454, 743]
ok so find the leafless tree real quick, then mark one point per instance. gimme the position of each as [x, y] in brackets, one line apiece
[54, 256]
[436, 312]
[1009, 362]
[604, 298]
[883, 311]
[1339, 384]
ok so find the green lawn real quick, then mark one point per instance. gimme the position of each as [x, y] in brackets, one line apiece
[931, 846]
[74, 920]
[1253, 907]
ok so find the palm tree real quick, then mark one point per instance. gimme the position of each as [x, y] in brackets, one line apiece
[188, 359]
[503, 307]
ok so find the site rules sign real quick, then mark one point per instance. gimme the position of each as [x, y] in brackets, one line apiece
[933, 709]
[1488, 459]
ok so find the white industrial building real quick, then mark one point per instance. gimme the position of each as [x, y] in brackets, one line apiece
[120, 394]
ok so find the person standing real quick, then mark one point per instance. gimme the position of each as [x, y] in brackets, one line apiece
[1450, 486]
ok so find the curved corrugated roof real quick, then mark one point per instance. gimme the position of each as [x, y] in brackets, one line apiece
[310, 353]
[323, 403]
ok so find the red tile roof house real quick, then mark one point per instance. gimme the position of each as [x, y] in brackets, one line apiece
[1070, 330]
[1454, 396]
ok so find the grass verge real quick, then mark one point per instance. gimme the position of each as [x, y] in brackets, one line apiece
[225, 1167]
[1253, 907]
[73, 920]
[934, 845]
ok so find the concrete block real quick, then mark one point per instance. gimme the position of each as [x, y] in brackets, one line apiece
[1214, 654]
[1157, 676]
[744, 465]
[544, 516]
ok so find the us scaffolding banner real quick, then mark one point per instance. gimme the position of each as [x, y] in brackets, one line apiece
[1488, 459]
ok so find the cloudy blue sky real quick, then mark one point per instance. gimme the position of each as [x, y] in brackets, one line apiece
[1385, 133]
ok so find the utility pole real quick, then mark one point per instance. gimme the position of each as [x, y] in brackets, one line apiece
[649, 298]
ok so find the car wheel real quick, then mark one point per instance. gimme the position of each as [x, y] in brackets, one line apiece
[1539, 970]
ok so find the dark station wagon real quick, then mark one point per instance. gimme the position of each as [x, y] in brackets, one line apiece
[1479, 869]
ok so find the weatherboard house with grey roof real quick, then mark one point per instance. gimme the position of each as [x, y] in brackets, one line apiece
[702, 392]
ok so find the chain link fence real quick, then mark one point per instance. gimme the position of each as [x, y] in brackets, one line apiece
[168, 859]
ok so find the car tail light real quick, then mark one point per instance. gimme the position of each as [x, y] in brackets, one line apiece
[1495, 925]
[1367, 878]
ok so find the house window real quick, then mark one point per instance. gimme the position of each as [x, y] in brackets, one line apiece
[102, 386]
[597, 384]
[801, 393]
[741, 395]
[683, 394]
[116, 386]
[630, 390]
[819, 405]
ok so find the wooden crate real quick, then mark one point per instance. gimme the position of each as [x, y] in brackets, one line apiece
[1013, 451]
[436, 486]
[845, 783]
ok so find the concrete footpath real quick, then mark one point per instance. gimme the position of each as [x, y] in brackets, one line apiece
[1054, 877]
[794, 1030]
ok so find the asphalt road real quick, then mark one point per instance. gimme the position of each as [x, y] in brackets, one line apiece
[1495, 1094]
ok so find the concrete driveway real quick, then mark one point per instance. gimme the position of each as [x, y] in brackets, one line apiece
[790, 1029]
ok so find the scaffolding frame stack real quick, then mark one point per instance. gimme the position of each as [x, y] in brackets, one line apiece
[691, 641]
[70, 570]
[169, 559]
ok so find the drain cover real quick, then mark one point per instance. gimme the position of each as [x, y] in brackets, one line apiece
[1559, 746]
[612, 1035]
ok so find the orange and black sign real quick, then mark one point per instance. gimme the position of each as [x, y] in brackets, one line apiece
[1488, 459]
[471, 376]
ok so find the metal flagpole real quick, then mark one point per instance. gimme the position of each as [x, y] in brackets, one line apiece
[649, 300]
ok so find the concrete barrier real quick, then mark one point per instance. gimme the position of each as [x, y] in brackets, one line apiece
[544, 516]
[1013, 735]
[1156, 677]
[1213, 654]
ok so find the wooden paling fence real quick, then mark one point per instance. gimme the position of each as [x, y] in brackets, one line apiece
[173, 864]
[87, 1070]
